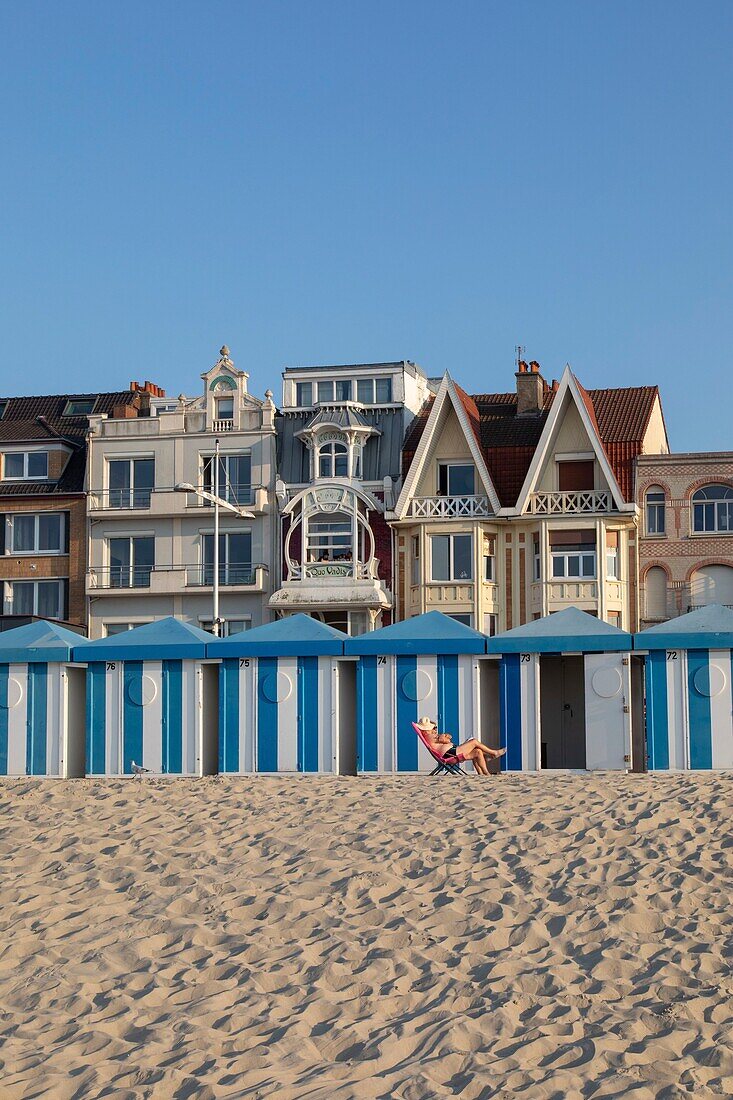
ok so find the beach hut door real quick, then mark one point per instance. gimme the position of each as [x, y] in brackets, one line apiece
[606, 711]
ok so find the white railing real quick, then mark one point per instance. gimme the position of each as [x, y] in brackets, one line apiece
[582, 501]
[222, 425]
[448, 507]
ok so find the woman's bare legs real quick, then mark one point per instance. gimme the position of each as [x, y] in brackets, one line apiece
[473, 744]
[478, 760]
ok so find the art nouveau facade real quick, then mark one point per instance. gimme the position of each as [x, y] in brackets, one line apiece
[340, 434]
[151, 542]
[516, 505]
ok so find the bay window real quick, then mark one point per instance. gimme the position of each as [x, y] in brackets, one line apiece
[612, 555]
[451, 557]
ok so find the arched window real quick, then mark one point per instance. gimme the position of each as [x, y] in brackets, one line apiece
[712, 509]
[656, 594]
[654, 501]
[333, 460]
[329, 537]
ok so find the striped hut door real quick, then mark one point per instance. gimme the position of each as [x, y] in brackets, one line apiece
[172, 731]
[710, 708]
[36, 715]
[13, 719]
[309, 734]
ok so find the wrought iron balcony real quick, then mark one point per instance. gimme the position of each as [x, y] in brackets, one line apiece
[580, 502]
[442, 507]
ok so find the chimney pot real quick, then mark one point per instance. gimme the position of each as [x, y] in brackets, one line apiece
[534, 367]
[523, 368]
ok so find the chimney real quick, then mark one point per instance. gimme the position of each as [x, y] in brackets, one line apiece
[531, 388]
[147, 387]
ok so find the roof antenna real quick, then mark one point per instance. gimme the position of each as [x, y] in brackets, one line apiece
[520, 354]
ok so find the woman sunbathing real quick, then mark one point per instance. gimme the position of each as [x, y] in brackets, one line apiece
[473, 749]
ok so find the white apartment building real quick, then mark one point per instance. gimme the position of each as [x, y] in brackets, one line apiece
[151, 542]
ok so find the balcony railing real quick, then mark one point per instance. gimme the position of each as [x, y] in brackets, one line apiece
[449, 507]
[575, 503]
[115, 499]
[172, 578]
[202, 576]
[222, 425]
[118, 576]
[698, 606]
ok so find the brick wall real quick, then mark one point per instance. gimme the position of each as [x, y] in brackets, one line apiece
[71, 566]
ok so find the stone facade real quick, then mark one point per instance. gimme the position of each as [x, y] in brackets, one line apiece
[681, 568]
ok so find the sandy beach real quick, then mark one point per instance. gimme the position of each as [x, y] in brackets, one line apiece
[396, 937]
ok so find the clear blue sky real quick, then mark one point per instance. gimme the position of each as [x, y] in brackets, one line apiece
[320, 182]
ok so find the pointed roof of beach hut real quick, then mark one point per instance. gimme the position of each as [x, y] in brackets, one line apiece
[164, 639]
[708, 627]
[38, 642]
[430, 633]
[294, 636]
[571, 630]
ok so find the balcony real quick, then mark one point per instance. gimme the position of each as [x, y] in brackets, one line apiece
[469, 507]
[582, 502]
[171, 579]
[222, 426]
[165, 501]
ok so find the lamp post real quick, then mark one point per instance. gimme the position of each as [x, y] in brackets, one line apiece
[216, 500]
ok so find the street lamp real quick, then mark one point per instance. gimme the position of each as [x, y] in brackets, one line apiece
[216, 500]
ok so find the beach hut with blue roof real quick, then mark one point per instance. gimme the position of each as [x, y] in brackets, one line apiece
[565, 693]
[151, 701]
[689, 692]
[41, 701]
[428, 665]
[286, 699]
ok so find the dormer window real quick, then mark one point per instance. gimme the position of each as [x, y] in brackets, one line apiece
[304, 394]
[325, 392]
[343, 390]
[333, 460]
[25, 465]
[225, 408]
[79, 406]
[374, 391]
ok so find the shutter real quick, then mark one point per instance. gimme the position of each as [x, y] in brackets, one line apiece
[576, 476]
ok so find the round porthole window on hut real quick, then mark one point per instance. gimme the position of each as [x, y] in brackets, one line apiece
[15, 694]
[277, 687]
[606, 682]
[416, 685]
[709, 681]
[143, 692]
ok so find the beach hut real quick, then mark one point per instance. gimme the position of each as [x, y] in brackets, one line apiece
[428, 665]
[41, 701]
[565, 693]
[151, 699]
[689, 698]
[286, 699]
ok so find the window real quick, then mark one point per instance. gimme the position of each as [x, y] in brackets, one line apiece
[655, 589]
[573, 554]
[44, 598]
[23, 466]
[235, 558]
[365, 390]
[415, 561]
[536, 559]
[461, 618]
[26, 533]
[614, 618]
[356, 459]
[370, 391]
[131, 561]
[712, 509]
[131, 482]
[490, 624]
[489, 574]
[303, 394]
[655, 510]
[235, 478]
[79, 406]
[227, 626]
[574, 477]
[325, 391]
[455, 480]
[3, 407]
[384, 391]
[343, 390]
[451, 557]
[329, 538]
[612, 555]
[225, 408]
[118, 628]
[333, 460]
[350, 622]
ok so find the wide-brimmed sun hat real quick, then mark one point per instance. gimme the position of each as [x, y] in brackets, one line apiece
[426, 724]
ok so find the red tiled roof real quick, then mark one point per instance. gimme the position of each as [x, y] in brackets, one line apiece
[509, 441]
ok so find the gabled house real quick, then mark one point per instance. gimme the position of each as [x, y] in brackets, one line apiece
[514, 505]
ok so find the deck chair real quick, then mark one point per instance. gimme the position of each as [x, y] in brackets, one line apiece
[445, 765]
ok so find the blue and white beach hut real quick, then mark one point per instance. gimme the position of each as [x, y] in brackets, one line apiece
[565, 693]
[428, 665]
[286, 699]
[41, 701]
[151, 699]
[689, 697]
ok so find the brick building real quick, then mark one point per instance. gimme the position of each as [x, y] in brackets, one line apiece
[686, 532]
[43, 520]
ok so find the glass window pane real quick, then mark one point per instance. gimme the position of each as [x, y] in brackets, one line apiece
[325, 391]
[23, 598]
[304, 393]
[440, 545]
[462, 557]
[365, 390]
[14, 466]
[239, 548]
[589, 565]
[38, 464]
[558, 565]
[144, 551]
[48, 600]
[237, 626]
[325, 464]
[343, 391]
[461, 618]
[342, 459]
[384, 391]
[119, 484]
[49, 532]
[239, 479]
[443, 480]
[460, 481]
[117, 628]
[24, 533]
[488, 568]
[573, 565]
[119, 553]
[225, 408]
